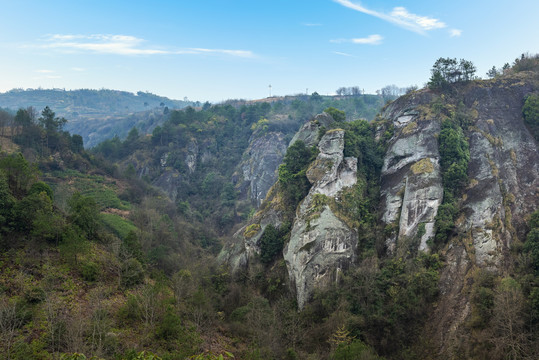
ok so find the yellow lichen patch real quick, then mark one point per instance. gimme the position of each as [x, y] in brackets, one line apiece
[410, 128]
[423, 166]
[490, 122]
[251, 230]
[513, 155]
[460, 220]
[318, 169]
[473, 183]
[334, 130]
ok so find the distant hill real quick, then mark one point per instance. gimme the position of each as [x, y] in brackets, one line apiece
[96, 115]
[86, 103]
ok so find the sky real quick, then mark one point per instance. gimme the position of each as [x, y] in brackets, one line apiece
[214, 50]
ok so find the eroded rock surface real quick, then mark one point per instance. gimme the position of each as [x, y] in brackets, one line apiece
[322, 245]
[411, 182]
[259, 168]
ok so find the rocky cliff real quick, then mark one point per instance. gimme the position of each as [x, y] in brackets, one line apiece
[322, 245]
[491, 208]
[258, 170]
[502, 189]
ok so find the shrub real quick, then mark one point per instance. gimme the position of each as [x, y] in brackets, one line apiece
[89, 271]
[132, 273]
[336, 114]
[530, 111]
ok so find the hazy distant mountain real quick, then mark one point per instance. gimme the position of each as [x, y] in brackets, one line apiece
[95, 114]
[85, 103]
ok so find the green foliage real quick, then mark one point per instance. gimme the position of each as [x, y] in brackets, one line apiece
[169, 327]
[20, 174]
[482, 299]
[294, 184]
[446, 71]
[359, 142]
[73, 244]
[84, 213]
[40, 187]
[530, 112]
[90, 271]
[354, 350]
[531, 246]
[454, 158]
[336, 114]
[117, 224]
[211, 356]
[132, 273]
[272, 241]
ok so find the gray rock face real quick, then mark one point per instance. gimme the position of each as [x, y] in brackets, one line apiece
[321, 245]
[503, 177]
[259, 169]
[411, 183]
[192, 156]
[245, 245]
[169, 181]
[309, 131]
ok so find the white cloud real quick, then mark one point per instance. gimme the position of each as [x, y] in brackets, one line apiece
[44, 71]
[343, 54]
[311, 24]
[47, 77]
[78, 69]
[124, 45]
[455, 32]
[400, 17]
[369, 40]
[423, 22]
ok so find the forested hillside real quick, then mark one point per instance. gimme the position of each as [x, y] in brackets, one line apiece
[305, 228]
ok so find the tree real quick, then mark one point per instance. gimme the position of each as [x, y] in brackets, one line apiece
[50, 122]
[25, 117]
[530, 111]
[20, 174]
[446, 71]
[510, 335]
[336, 114]
[84, 213]
[492, 73]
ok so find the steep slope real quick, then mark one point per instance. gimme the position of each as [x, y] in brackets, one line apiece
[503, 173]
[459, 179]
[322, 245]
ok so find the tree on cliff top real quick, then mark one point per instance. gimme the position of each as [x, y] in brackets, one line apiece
[446, 71]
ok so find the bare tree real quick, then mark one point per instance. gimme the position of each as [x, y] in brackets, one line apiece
[9, 325]
[510, 338]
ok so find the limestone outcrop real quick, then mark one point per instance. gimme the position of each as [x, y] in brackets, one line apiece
[259, 167]
[322, 245]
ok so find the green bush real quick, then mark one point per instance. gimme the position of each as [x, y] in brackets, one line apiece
[271, 242]
[130, 311]
[292, 178]
[530, 111]
[170, 327]
[336, 114]
[89, 271]
[132, 273]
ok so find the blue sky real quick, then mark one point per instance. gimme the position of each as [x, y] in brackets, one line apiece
[220, 49]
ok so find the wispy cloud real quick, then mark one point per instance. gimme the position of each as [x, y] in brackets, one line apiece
[124, 45]
[311, 24]
[78, 69]
[400, 17]
[369, 40]
[343, 54]
[47, 77]
[44, 71]
[455, 32]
